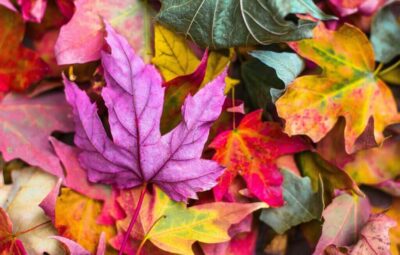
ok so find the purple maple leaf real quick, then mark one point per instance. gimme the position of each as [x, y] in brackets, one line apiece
[138, 153]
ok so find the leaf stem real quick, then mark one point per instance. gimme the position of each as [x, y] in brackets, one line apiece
[139, 250]
[31, 229]
[390, 68]
[134, 218]
[378, 69]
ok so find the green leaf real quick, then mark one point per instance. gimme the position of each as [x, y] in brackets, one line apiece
[258, 86]
[300, 6]
[385, 33]
[302, 204]
[317, 168]
[229, 23]
[286, 65]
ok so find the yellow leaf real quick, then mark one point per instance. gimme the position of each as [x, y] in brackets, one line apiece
[173, 57]
[75, 218]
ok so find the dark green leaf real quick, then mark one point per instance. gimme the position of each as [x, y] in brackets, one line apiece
[229, 23]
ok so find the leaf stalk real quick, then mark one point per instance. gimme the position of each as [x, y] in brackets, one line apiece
[134, 218]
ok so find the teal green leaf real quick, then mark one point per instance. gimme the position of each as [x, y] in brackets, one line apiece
[300, 6]
[229, 23]
[259, 80]
[385, 33]
[302, 204]
[286, 65]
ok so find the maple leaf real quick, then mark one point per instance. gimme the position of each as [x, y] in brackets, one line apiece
[173, 227]
[344, 218]
[251, 150]
[19, 66]
[313, 103]
[81, 225]
[138, 153]
[26, 125]
[82, 38]
[8, 243]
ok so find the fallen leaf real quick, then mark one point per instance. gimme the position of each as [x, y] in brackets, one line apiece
[26, 124]
[9, 243]
[75, 249]
[347, 77]
[75, 218]
[134, 98]
[235, 23]
[344, 219]
[385, 33]
[286, 65]
[173, 227]
[244, 243]
[318, 169]
[183, 72]
[19, 66]
[82, 38]
[30, 186]
[374, 236]
[251, 150]
[376, 165]
[302, 204]
[76, 179]
[394, 213]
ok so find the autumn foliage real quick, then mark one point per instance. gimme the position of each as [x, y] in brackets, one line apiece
[199, 127]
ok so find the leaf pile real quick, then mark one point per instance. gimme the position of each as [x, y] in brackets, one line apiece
[199, 127]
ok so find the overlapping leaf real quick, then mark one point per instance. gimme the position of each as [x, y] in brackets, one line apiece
[173, 227]
[385, 33]
[82, 39]
[75, 218]
[19, 66]
[346, 87]
[344, 219]
[228, 23]
[134, 98]
[300, 207]
[251, 151]
[26, 124]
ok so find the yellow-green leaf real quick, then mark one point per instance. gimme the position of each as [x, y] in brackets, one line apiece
[174, 227]
[346, 87]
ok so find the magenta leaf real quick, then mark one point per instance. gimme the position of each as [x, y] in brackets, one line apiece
[138, 153]
[26, 124]
[76, 249]
[48, 204]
